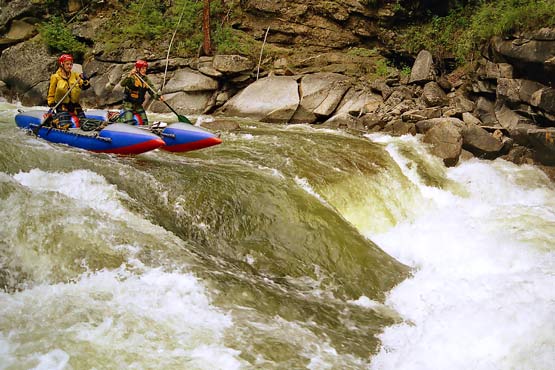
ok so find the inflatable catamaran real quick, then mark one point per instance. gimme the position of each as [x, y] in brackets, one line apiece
[120, 138]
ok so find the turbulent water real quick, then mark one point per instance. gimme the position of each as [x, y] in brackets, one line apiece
[285, 247]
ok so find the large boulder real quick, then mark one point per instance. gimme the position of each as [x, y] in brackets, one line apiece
[423, 68]
[183, 102]
[480, 142]
[17, 8]
[320, 95]
[508, 118]
[433, 95]
[189, 80]
[26, 69]
[516, 91]
[485, 111]
[105, 89]
[357, 101]
[540, 140]
[544, 99]
[270, 99]
[446, 142]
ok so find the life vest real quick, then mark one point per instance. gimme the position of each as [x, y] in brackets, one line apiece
[135, 90]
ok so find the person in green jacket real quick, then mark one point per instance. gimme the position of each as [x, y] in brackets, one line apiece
[136, 84]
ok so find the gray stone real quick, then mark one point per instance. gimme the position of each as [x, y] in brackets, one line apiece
[423, 68]
[480, 142]
[272, 99]
[446, 142]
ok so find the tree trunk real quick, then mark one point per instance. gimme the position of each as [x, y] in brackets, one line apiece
[207, 44]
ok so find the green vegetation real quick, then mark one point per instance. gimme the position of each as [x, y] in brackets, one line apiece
[405, 71]
[58, 37]
[382, 68]
[154, 22]
[362, 52]
[150, 24]
[464, 29]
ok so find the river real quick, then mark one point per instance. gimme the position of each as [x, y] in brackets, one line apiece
[284, 247]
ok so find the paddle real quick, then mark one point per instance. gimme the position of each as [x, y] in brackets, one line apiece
[180, 118]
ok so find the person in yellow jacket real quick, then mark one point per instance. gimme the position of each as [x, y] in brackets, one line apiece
[60, 83]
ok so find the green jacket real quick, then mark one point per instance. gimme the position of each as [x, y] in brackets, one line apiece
[134, 90]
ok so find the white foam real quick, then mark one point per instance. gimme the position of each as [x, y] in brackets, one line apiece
[89, 188]
[482, 294]
[305, 185]
[158, 319]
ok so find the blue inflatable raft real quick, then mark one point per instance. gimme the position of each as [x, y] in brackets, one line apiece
[177, 137]
[115, 138]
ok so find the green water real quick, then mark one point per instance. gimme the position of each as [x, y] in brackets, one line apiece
[265, 227]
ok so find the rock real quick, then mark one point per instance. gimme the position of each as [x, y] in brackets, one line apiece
[542, 141]
[468, 118]
[183, 102]
[527, 55]
[507, 118]
[355, 101]
[189, 80]
[485, 111]
[4, 91]
[480, 142]
[483, 87]
[446, 142]
[320, 96]
[417, 115]
[74, 6]
[461, 104]
[493, 71]
[423, 68]
[433, 95]
[229, 64]
[444, 83]
[21, 30]
[220, 124]
[544, 99]
[271, 99]
[344, 121]
[399, 128]
[26, 68]
[520, 155]
[423, 127]
[515, 91]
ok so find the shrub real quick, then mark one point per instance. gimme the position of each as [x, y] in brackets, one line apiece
[464, 29]
[58, 37]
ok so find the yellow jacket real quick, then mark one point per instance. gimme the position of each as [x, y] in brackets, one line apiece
[59, 85]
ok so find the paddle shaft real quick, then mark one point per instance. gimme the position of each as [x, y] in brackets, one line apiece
[180, 117]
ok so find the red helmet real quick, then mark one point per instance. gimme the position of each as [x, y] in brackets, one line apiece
[64, 58]
[141, 63]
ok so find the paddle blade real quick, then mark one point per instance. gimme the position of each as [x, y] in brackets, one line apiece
[183, 119]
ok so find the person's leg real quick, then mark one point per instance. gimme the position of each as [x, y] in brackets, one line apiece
[79, 111]
[141, 112]
[127, 116]
[62, 118]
